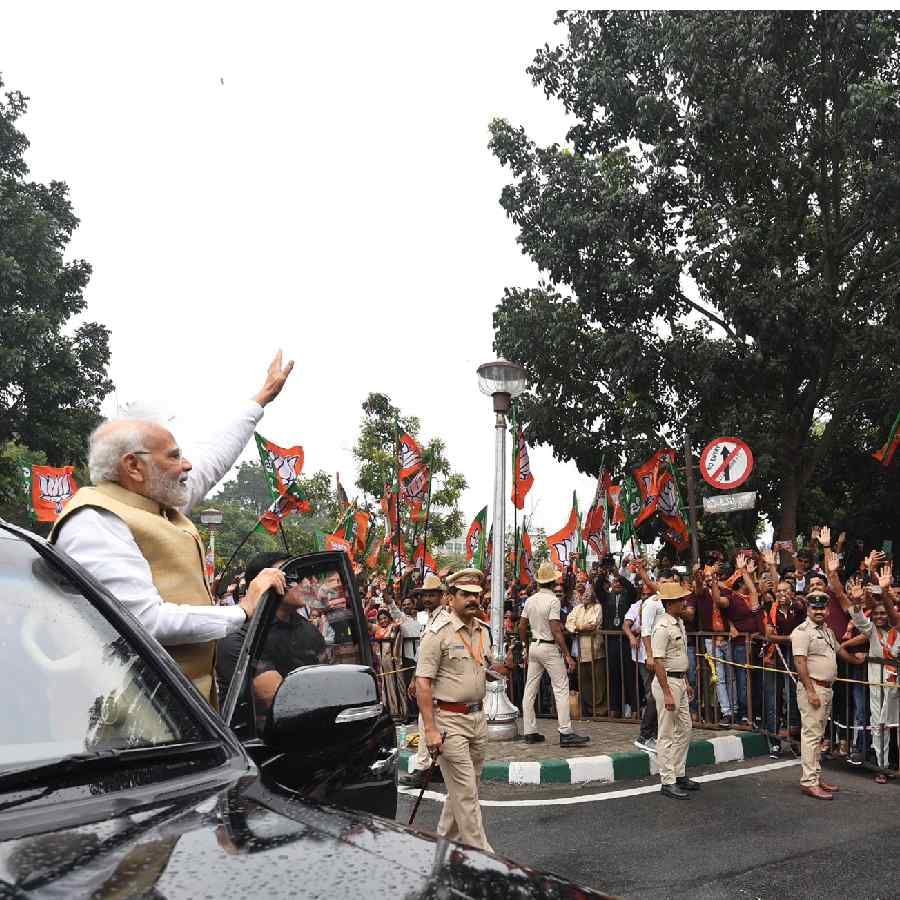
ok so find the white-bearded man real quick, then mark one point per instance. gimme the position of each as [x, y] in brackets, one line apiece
[131, 532]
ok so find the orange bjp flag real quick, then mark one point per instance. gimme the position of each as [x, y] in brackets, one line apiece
[51, 488]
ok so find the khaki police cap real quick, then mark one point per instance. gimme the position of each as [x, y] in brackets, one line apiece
[672, 590]
[431, 583]
[468, 580]
[546, 574]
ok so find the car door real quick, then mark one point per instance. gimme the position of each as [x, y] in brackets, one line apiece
[282, 638]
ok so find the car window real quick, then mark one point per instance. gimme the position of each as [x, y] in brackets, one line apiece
[314, 624]
[71, 682]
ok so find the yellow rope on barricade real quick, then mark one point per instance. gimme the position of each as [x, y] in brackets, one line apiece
[728, 662]
[397, 671]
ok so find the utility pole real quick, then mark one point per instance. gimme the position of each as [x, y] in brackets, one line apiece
[692, 497]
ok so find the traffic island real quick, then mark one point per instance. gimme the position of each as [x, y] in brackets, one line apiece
[614, 757]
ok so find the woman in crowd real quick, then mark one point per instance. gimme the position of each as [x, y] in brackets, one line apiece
[387, 641]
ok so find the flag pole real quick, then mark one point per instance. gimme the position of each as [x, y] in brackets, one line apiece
[283, 538]
[244, 540]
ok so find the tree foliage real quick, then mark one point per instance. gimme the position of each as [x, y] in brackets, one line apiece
[53, 374]
[718, 241]
[375, 452]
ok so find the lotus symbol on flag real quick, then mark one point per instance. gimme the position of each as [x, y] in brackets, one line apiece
[474, 541]
[56, 489]
[564, 550]
[668, 499]
[285, 468]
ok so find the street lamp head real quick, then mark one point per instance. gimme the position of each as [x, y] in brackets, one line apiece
[501, 380]
[211, 517]
[501, 377]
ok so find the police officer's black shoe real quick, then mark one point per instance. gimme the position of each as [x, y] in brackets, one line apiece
[535, 738]
[686, 784]
[573, 740]
[673, 791]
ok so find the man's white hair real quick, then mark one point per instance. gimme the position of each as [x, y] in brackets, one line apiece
[109, 442]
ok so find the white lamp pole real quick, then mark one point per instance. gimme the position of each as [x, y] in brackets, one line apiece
[501, 380]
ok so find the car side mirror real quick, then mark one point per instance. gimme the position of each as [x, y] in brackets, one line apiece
[324, 705]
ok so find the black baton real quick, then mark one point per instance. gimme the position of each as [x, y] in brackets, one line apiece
[428, 773]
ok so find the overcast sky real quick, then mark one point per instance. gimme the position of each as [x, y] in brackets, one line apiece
[316, 179]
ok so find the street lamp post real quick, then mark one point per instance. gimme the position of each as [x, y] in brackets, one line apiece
[212, 519]
[501, 380]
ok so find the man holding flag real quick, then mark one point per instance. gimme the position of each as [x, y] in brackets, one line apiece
[131, 532]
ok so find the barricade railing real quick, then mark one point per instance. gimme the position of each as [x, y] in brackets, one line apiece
[739, 682]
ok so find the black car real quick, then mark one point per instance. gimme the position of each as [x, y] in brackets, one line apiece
[118, 780]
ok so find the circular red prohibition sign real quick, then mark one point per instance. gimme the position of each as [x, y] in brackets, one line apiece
[726, 463]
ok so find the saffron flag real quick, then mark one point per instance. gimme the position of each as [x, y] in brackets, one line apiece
[282, 506]
[282, 466]
[51, 488]
[423, 562]
[475, 540]
[374, 554]
[389, 508]
[335, 542]
[526, 560]
[409, 456]
[671, 510]
[414, 492]
[596, 522]
[886, 453]
[399, 560]
[616, 516]
[488, 554]
[563, 544]
[522, 479]
[342, 498]
[647, 477]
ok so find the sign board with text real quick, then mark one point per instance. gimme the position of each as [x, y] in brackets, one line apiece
[726, 503]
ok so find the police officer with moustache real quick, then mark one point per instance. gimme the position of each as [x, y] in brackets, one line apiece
[450, 685]
[672, 692]
[816, 650]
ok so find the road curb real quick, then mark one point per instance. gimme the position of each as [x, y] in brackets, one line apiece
[607, 768]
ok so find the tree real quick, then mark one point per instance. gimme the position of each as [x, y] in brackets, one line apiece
[375, 451]
[718, 240]
[53, 374]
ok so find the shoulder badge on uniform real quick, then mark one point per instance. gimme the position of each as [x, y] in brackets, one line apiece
[438, 622]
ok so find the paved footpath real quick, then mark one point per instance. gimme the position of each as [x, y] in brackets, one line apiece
[610, 756]
[748, 833]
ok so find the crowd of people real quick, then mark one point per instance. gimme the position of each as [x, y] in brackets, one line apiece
[739, 613]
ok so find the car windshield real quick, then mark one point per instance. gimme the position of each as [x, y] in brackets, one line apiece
[71, 682]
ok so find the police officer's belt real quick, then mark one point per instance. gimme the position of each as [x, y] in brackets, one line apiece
[675, 674]
[541, 641]
[820, 683]
[458, 707]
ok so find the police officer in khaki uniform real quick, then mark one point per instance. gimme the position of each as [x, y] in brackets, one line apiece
[547, 652]
[431, 593]
[672, 692]
[453, 657]
[815, 650]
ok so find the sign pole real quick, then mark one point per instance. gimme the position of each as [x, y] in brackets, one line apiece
[692, 497]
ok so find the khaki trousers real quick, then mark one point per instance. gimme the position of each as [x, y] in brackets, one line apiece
[673, 730]
[592, 687]
[461, 761]
[423, 757]
[541, 658]
[812, 730]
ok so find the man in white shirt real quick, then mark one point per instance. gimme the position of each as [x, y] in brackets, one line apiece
[130, 533]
